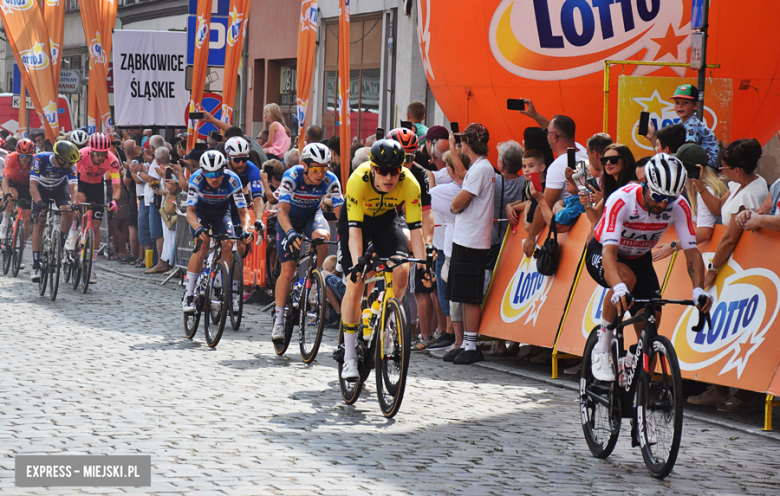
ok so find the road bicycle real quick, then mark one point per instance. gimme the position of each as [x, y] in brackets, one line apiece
[273, 266]
[51, 250]
[212, 294]
[305, 307]
[236, 311]
[15, 239]
[385, 343]
[78, 265]
[647, 389]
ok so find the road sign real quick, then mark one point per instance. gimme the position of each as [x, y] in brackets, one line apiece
[70, 81]
[215, 77]
[697, 14]
[697, 43]
[218, 7]
[217, 40]
[212, 103]
[16, 100]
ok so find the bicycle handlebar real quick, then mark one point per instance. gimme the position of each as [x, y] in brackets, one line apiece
[217, 237]
[659, 302]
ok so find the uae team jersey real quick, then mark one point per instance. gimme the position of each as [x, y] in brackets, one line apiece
[15, 171]
[304, 199]
[635, 230]
[49, 175]
[91, 173]
[364, 200]
[203, 196]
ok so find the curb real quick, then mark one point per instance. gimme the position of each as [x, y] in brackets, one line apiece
[130, 276]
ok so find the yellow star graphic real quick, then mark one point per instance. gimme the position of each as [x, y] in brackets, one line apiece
[654, 105]
[233, 16]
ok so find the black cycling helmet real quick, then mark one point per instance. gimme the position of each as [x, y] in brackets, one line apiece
[387, 153]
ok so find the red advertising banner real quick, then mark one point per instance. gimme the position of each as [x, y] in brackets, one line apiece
[29, 40]
[199, 68]
[94, 34]
[343, 87]
[307, 43]
[54, 16]
[239, 16]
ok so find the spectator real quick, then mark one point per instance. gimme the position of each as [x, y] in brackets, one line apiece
[335, 287]
[136, 164]
[361, 157]
[566, 212]
[152, 179]
[535, 138]
[619, 170]
[597, 145]
[473, 207]
[352, 150]
[254, 146]
[278, 133]
[38, 137]
[334, 143]
[415, 113]
[262, 137]
[508, 190]
[669, 139]
[271, 175]
[214, 139]
[437, 135]
[524, 209]
[191, 161]
[161, 171]
[291, 158]
[313, 135]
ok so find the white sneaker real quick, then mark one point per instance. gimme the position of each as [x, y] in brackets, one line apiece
[92, 276]
[600, 366]
[70, 243]
[349, 371]
[22, 266]
[3, 230]
[188, 304]
[36, 275]
[277, 333]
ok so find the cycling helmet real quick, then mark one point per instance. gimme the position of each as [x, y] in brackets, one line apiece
[66, 151]
[387, 153]
[406, 137]
[2, 143]
[25, 147]
[665, 175]
[317, 153]
[237, 147]
[79, 137]
[213, 164]
[99, 142]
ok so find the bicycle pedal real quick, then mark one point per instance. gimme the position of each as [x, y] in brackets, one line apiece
[338, 354]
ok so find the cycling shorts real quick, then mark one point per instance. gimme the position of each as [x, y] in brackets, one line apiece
[389, 240]
[218, 222]
[60, 194]
[93, 193]
[22, 191]
[306, 225]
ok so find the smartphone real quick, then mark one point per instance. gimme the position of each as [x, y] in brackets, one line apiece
[693, 172]
[407, 125]
[644, 120]
[535, 180]
[196, 115]
[593, 183]
[201, 146]
[512, 104]
[455, 130]
[168, 174]
[572, 158]
[216, 136]
[380, 133]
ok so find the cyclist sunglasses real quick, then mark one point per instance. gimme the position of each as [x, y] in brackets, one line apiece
[25, 155]
[213, 175]
[318, 169]
[658, 198]
[100, 154]
[610, 160]
[384, 171]
[239, 159]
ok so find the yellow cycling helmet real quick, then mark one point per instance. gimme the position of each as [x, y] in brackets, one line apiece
[66, 151]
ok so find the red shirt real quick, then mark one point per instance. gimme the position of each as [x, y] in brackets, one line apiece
[15, 171]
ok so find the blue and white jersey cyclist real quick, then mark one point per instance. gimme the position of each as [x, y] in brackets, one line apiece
[212, 188]
[302, 190]
[237, 152]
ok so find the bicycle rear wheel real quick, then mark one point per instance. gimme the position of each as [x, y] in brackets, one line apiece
[55, 262]
[18, 244]
[8, 249]
[217, 301]
[86, 259]
[313, 317]
[659, 408]
[350, 390]
[392, 358]
[599, 406]
[237, 304]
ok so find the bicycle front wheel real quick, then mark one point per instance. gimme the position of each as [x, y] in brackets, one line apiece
[8, 250]
[290, 319]
[191, 320]
[55, 262]
[237, 300]
[659, 408]
[313, 317]
[392, 358]
[599, 406]
[18, 244]
[350, 390]
[217, 301]
[86, 260]
[43, 263]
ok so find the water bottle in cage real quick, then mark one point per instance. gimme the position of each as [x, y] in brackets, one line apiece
[203, 280]
[296, 292]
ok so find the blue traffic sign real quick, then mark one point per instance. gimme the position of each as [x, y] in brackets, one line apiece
[217, 40]
[218, 7]
[697, 14]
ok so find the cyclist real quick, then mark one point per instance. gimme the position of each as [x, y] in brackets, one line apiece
[374, 190]
[303, 188]
[79, 137]
[95, 161]
[53, 176]
[16, 183]
[211, 189]
[619, 254]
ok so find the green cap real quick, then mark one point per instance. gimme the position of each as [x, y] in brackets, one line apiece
[691, 155]
[688, 91]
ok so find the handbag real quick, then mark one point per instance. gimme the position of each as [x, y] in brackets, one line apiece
[547, 256]
[168, 211]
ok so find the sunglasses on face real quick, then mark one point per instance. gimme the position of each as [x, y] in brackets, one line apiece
[100, 154]
[610, 160]
[660, 198]
[318, 169]
[240, 159]
[385, 171]
[25, 155]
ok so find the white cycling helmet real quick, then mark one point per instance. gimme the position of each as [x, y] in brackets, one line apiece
[79, 137]
[665, 175]
[317, 153]
[213, 164]
[237, 147]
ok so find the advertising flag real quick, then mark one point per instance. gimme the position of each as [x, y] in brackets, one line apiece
[22, 131]
[54, 15]
[200, 66]
[343, 85]
[92, 109]
[26, 32]
[307, 40]
[94, 29]
[239, 16]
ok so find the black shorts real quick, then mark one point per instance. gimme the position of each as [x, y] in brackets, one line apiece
[93, 193]
[381, 230]
[60, 195]
[466, 279]
[646, 279]
[22, 191]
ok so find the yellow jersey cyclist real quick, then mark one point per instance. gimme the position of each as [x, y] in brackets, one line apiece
[373, 192]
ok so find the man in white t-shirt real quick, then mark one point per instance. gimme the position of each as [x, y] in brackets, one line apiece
[560, 136]
[473, 207]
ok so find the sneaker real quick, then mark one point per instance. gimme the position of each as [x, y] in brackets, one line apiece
[575, 370]
[70, 243]
[36, 275]
[450, 355]
[467, 357]
[542, 357]
[419, 344]
[3, 230]
[127, 260]
[736, 405]
[277, 333]
[92, 276]
[709, 397]
[188, 304]
[600, 366]
[349, 371]
[444, 341]
[22, 266]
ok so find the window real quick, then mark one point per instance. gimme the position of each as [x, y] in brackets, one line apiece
[365, 55]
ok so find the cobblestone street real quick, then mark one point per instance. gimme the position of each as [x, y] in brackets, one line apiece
[111, 373]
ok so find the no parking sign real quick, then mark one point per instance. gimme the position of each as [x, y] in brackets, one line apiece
[212, 103]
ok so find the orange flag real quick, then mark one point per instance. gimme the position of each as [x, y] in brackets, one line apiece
[94, 29]
[54, 15]
[200, 66]
[343, 85]
[92, 108]
[22, 131]
[307, 40]
[26, 32]
[239, 16]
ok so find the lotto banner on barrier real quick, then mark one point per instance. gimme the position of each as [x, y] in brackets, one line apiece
[307, 50]
[519, 295]
[239, 17]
